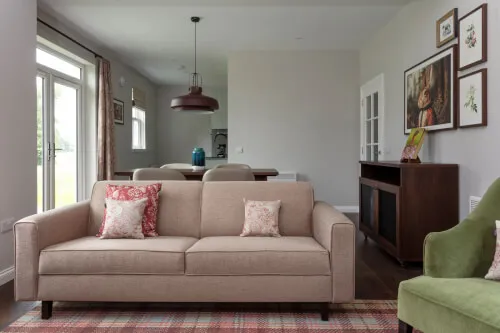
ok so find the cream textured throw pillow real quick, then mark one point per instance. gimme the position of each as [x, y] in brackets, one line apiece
[124, 219]
[261, 218]
[494, 272]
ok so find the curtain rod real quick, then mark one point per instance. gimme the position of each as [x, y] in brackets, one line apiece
[68, 37]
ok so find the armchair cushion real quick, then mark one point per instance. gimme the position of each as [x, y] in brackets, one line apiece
[450, 305]
[161, 255]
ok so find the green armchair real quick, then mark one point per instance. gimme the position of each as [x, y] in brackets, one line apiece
[452, 295]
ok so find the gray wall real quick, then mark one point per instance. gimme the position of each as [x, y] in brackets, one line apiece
[18, 125]
[178, 132]
[405, 41]
[298, 111]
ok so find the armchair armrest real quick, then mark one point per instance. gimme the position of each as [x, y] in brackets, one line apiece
[34, 233]
[464, 251]
[335, 232]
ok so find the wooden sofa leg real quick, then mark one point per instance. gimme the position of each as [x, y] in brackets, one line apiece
[325, 311]
[404, 327]
[46, 309]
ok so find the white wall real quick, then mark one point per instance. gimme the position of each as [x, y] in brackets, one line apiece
[298, 111]
[405, 41]
[18, 117]
[125, 157]
[179, 133]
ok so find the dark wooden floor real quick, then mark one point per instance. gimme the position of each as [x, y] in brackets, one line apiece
[377, 277]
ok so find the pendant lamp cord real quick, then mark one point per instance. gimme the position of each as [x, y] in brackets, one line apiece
[195, 70]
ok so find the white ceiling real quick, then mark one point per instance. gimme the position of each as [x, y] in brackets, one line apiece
[156, 36]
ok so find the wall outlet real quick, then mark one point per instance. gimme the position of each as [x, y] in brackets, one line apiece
[7, 225]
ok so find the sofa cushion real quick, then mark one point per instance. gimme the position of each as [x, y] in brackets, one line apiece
[91, 255]
[234, 255]
[178, 211]
[223, 209]
[450, 305]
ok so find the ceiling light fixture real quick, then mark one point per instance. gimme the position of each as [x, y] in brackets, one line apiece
[195, 102]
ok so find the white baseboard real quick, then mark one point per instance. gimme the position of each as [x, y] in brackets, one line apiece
[6, 275]
[348, 209]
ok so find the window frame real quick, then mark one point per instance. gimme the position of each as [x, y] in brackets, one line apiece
[142, 129]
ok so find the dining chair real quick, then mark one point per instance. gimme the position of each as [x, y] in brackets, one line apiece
[220, 175]
[176, 166]
[232, 166]
[157, 174]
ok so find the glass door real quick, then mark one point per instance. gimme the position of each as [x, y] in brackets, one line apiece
[58, 109]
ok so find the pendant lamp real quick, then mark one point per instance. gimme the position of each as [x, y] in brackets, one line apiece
[195, 102]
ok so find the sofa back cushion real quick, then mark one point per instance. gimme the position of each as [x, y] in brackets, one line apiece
[223, 209]
[178, 210]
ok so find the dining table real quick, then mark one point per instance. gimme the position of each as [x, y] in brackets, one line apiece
[259, 174]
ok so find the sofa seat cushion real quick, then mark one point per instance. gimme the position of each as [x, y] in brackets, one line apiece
[450, 305]
[91, 255]
[234, 255]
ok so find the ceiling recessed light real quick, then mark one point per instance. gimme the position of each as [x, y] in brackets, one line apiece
[299, 38]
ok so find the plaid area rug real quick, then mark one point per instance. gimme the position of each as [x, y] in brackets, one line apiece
[361, 316]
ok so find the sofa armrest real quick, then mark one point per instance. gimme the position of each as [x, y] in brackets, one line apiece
[36, 232]
[335, 232]
[464, 251]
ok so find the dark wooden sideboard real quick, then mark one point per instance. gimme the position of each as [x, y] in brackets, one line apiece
[400, 203]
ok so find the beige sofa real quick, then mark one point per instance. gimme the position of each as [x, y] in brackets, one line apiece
[198, 257]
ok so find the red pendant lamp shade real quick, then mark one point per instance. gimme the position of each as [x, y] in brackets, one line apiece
[195, 101]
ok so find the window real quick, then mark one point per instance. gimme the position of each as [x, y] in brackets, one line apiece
[58, 64]
[139, 108]
[138, 129]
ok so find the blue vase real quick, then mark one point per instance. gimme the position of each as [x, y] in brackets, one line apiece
[198, 159]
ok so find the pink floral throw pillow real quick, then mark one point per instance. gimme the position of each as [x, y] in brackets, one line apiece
[124, 219]
[494, 272]
[261, 218]
[137, 192]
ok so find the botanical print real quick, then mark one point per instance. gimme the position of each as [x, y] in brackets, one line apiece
[471, 39]
[471, 99]
[472, 96]
[429, 101]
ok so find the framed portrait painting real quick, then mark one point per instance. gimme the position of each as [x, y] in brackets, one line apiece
[473, 38]
[430, 93]
[119, 112]
[473, 97]
[446, 28]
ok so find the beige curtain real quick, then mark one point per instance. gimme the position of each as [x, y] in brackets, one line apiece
[105, 123]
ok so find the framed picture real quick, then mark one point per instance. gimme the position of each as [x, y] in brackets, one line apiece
[446, 28]
[473, 97]
[430, 93]
[473, 38]
[119, 111]
[413, 145]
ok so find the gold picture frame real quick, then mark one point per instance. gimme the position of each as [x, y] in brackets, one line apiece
[447, 28]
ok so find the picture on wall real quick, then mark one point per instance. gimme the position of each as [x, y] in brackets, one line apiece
[446, 28]
[119, 111]
[473, 97]
[473, 38]
[430, 99]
